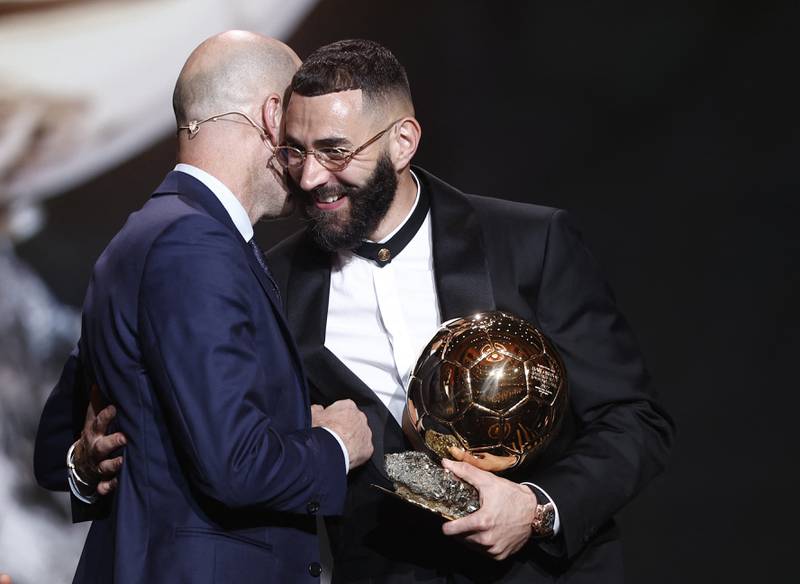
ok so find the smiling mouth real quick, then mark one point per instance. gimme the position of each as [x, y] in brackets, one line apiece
[329, 202]
[328, 199]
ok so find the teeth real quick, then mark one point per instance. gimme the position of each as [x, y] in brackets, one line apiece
[329, 198]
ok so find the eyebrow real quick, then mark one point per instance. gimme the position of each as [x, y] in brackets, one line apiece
[321, 143]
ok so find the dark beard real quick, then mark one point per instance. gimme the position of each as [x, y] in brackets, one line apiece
[368, 206]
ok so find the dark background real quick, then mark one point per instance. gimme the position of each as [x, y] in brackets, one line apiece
[670, 131]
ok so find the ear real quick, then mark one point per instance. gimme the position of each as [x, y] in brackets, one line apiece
[271, 113]
[404, 141]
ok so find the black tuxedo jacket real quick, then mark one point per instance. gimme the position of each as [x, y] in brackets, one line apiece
[528, 260]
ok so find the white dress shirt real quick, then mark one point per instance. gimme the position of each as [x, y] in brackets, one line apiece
[380, 318]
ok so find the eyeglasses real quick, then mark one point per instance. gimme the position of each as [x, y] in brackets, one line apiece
[332, 158]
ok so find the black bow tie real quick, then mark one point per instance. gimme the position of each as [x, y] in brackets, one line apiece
[383, 253]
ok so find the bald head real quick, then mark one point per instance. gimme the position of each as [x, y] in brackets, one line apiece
[232, 71]
[246, 73]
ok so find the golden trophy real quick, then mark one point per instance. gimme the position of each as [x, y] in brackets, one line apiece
[489, 389]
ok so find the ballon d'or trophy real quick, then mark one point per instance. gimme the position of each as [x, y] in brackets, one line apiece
[489, 389]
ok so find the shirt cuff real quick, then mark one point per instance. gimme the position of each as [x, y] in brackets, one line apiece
[557, 521]
[347, 454]
[73, 480]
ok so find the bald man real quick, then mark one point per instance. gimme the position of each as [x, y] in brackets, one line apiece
[183, 329]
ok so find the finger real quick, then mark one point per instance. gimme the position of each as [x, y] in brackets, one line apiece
[105, 445]
[461, 455]
[474, 476]
[91, 416]
[456, 453]
[5, 579]
[487, 462]
[109, 468]
[106, 487]
[466, 525]
[103, 419]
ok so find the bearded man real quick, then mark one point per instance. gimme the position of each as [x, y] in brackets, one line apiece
[390, 252]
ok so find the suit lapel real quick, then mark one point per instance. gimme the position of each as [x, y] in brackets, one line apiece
[460, 267]
[200, 197]
[308, 289]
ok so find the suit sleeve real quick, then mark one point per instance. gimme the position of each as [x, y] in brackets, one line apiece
[199, 342]
[59, 426]
[623, 436]
[56, 431]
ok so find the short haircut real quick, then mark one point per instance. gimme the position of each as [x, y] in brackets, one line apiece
[353, 64]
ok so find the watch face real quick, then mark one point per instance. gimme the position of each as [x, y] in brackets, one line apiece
[544, 520]
[549, 517]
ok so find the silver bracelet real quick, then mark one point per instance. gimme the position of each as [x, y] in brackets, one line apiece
[71, 466]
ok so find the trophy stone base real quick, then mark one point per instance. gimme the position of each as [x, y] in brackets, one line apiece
[420, 481]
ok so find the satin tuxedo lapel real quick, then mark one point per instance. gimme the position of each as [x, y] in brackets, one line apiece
[307, 294]
[192, 190]
[459, 257]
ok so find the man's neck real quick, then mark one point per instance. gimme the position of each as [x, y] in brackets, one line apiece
[221, 171]
[233, 206]
[401, 206]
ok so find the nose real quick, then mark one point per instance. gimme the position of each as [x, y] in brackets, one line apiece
[313, 174]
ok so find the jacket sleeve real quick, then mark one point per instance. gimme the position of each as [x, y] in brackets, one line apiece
[199, 342]
[623, 436]
[56, 431]
[59, 426]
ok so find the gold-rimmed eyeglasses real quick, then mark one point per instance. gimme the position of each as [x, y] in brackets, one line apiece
[333, 158]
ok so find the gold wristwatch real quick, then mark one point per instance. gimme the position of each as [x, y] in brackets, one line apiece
[544, 515]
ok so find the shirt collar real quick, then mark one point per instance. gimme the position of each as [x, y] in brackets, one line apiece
[389, 247]
[232, 205]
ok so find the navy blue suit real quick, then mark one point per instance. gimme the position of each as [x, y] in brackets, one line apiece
[223, 473]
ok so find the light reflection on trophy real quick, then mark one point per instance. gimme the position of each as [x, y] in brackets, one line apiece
[489, 389]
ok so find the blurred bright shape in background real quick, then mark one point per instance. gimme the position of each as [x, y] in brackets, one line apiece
[86, 85]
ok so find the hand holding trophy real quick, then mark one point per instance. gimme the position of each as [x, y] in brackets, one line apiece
[488, 389]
